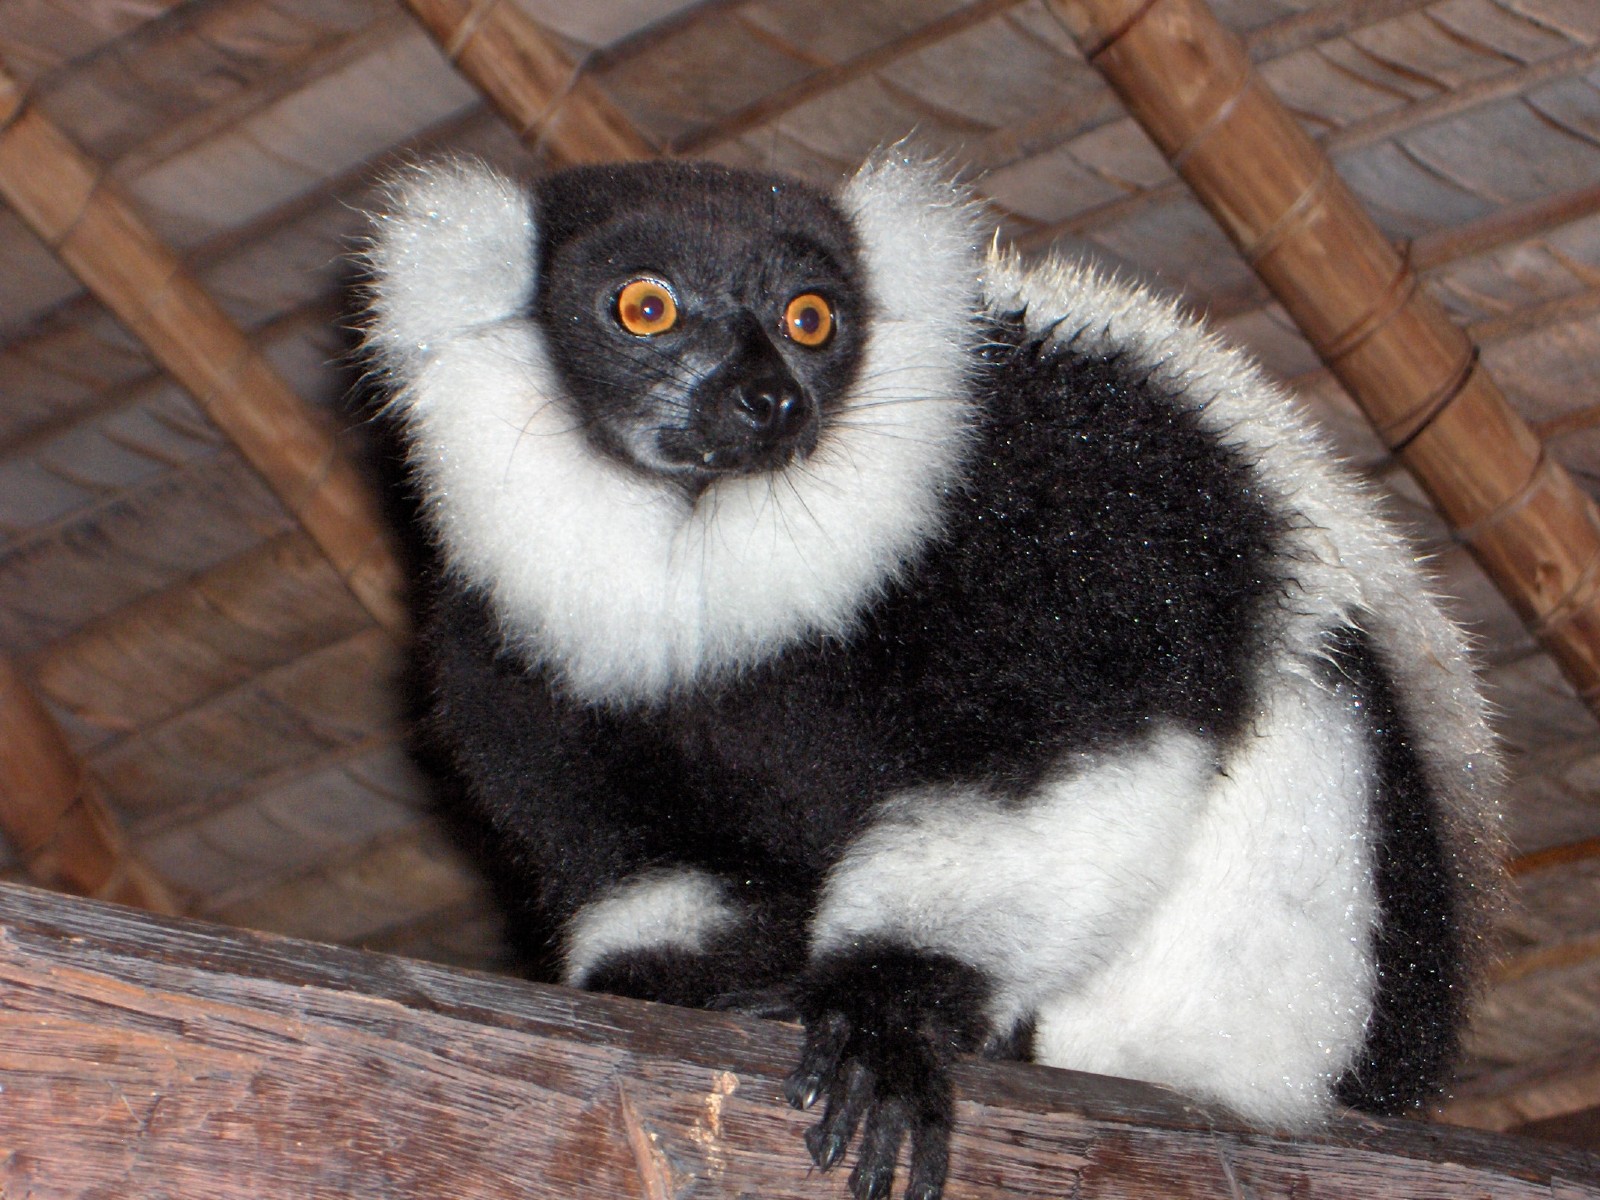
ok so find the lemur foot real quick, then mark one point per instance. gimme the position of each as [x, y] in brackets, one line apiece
[883, 1024]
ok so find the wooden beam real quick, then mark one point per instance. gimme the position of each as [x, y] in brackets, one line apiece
[1502, 1100]
[143, 1056]
[552, 103]
[1552, 956]
[1189, 83]
[66, 199]
[1504, 226]
[52, 814]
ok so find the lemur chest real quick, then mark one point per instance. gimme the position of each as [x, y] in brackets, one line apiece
[781, 775]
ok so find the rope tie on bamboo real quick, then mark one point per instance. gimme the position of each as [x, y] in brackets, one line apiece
[229, 380]
[29, 849]
[13, 99]
[1297, 214]
[1098, 47]
[468, 28]
[313, 480]
[1514, 503]
[114, 882]
[543, 122]
[1579, 599]
[1218, 117]
[1432, 408]
[56, 239]
[1395, 297]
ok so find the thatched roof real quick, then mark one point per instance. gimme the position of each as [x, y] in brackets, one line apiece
[194, 583]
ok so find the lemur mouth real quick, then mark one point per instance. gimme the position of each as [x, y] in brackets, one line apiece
[689, 452]
[747, 427]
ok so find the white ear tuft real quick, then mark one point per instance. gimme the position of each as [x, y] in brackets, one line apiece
[914, 224]
[453, 251]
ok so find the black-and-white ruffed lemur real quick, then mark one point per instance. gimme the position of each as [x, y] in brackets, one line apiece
[961, 655]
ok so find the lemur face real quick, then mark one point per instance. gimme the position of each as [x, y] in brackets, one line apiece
[704, 323]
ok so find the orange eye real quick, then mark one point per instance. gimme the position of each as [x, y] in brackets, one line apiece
[808, 319]
[646, 307]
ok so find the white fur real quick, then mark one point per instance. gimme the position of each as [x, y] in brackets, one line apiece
[1345, 558]
[1251, 980]
[612, 578]
[1164, 919]
[680, 909]
[1037, 893]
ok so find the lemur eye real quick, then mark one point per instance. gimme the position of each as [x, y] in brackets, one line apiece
[646, 307]
[808, 319]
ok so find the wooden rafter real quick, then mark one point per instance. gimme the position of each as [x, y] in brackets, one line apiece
[52, 813]
[65, 198]
[547, 98]
[1584, 850]
[1189, 83]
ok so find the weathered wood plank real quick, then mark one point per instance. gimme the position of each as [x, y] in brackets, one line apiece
[145, 1057]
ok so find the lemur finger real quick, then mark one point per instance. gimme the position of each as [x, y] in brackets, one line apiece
[849, 1097]
[886, 1128]
[826, 1038]
[930, 1159]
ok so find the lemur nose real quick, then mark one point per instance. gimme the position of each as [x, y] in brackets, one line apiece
[773, 408]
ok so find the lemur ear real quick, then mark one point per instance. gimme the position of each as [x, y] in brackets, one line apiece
[454, 250]
[913, 223]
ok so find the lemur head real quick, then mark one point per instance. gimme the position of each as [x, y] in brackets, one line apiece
[670, 417]
[704, 321]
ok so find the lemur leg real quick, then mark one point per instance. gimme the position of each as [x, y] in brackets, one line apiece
[685, 936]
[582, 802]
[948, 922]
[1252, 980]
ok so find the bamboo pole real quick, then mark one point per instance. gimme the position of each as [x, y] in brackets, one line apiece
[67, 201]
[547, 98]
[1188, 82]
[53, 815]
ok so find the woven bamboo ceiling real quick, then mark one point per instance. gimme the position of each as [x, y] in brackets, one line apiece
[199, 652]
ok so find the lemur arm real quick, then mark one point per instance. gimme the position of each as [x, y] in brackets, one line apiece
[577, 795]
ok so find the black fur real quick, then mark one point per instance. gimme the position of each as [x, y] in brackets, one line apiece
[734, 248]
[1412, 1034]
[1104, 565]
[1124, 562]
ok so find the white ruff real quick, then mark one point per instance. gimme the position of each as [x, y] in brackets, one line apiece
[610, 576]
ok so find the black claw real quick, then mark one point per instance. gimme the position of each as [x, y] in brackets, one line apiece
[819, 1061]
[871, 1183]
[802, 1089]
[930, 1158]
[826, 1148]
[849, 1097]
[880, 1147]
